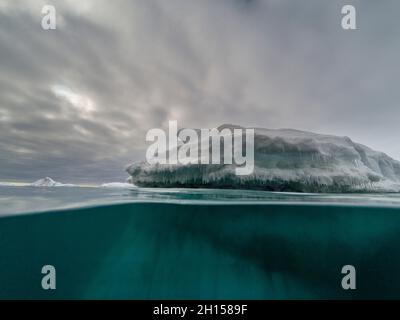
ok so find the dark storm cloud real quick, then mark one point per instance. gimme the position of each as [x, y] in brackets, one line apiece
[76, 102]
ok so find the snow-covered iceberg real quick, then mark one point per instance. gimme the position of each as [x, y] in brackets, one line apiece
[49, 182]
[286, 160]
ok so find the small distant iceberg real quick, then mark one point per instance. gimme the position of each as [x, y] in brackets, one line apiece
[49, 182]
[118, 185]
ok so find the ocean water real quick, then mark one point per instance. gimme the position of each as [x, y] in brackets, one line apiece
[197, 244]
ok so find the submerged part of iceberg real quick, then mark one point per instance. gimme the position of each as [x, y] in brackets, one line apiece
[49, 182]
[286, 160]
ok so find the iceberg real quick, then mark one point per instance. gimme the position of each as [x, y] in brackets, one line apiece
[285, 160]
[49, 182]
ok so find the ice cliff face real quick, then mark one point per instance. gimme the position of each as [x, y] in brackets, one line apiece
[286, 160]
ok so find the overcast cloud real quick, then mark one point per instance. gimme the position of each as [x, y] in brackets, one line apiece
[76, 102]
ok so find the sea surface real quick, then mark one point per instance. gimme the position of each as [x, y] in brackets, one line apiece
[109, 243]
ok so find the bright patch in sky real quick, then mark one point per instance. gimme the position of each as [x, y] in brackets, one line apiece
[80, 102]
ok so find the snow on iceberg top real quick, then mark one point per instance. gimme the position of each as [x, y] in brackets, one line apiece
[286, 160]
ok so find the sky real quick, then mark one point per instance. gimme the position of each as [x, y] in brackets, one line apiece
[76, 102]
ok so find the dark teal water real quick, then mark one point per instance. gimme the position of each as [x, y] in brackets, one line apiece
[201, 244]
